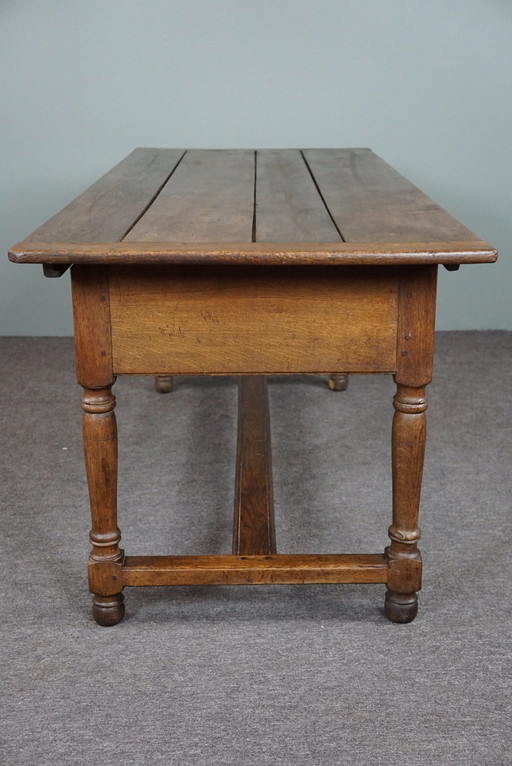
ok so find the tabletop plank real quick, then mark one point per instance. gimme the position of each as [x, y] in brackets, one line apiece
[108, 208]
[288, 205]
[210, 198]
[372, 202]
[166, 206]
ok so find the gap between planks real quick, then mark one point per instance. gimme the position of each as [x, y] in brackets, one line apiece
[322, 196]
[254, 222]
[154, 197]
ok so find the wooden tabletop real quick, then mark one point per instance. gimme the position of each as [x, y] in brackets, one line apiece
[316, 206]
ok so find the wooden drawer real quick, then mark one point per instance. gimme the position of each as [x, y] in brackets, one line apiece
[266, 320]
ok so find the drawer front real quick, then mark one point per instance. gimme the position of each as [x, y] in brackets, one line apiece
[266, 320]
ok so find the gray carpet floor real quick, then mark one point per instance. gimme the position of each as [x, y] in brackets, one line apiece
[292, 675]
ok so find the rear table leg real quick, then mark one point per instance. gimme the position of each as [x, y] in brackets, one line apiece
[338, 382]
[164, 384]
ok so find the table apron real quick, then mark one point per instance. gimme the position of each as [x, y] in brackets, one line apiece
[243, 320]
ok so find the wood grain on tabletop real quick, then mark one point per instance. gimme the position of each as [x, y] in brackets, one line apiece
[210, 197]
[371, 202]
[291, 203]
[108, 208]
[288, 205]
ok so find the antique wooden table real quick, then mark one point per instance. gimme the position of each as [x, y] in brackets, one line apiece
[253, 264]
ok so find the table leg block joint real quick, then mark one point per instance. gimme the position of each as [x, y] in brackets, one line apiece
[404, 575]
[105, 577]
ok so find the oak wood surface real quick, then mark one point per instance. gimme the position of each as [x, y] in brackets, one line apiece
[237, 320]
[210, 197]
[288, 205]
[100, 452]
[92, 330]
[107, 209]
[182, 265]
[416, 324]
[253, 522]
[255, 253]
[247, 570]
[371, 201]
[55, 270]
[261, 207]
[408, 452]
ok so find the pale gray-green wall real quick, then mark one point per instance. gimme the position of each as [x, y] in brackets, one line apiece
[426, 84]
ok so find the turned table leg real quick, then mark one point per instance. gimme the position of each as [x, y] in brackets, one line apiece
[91, 313]
[408, 449]
[106, 558]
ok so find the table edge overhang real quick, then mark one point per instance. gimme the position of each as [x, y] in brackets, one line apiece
[255, 253]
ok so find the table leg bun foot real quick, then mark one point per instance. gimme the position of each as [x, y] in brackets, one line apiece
[108, 610]
[338, 382]
[164, 384]
[401, 607]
